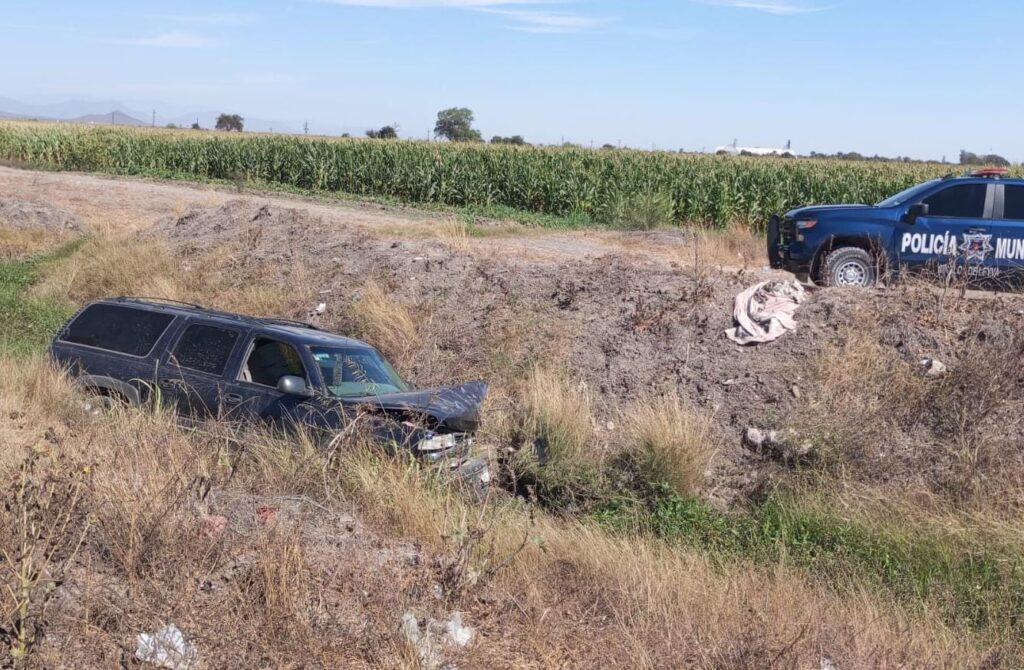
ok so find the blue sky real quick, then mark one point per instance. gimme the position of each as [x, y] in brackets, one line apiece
[895, 77]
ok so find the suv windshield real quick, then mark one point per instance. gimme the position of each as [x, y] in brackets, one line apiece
[904, 196]
[352, 372]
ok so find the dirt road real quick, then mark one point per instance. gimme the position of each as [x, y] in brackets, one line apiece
[138, 204]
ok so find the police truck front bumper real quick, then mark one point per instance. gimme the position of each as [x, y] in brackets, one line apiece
[785, 252]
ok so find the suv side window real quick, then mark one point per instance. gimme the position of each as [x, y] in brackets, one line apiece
[963, 201]
[269, 360]
[205, 348]
[119, 328]
[1013, 202]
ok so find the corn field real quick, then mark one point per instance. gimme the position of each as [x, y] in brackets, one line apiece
[585, 185]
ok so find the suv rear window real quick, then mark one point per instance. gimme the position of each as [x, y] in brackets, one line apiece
[126, 330]
[1013, 202]
[205, 348]
[963, 201]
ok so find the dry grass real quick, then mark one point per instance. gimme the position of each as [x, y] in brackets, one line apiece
[454, 234]
[605, 601]
[735, 246]
[556, 422]
[671, 442]
[541, 590]
[20, 242]
[110, 265]
[385, 323]
[865, 394]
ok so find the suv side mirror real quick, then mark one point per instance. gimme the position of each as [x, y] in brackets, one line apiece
[916, 211]
[292, 385]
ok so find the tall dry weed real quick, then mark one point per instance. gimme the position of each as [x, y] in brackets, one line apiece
[386, 323]
[671, 442]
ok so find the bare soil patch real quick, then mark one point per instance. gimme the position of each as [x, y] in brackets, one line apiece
[23, 214]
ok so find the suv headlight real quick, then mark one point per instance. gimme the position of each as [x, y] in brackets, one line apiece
[436, 443]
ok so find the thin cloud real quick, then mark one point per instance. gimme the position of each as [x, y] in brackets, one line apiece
[524, 15]
[532, 21]
[777, 7]
[433, 4]
[225, 19]
[172, 40]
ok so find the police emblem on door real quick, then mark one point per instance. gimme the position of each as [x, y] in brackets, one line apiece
[976, 247]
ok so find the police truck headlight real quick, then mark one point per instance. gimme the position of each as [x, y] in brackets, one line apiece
[802, 225]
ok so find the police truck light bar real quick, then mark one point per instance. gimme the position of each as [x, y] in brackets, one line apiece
[991, 172]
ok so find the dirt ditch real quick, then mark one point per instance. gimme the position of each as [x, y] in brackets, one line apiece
[623, 324]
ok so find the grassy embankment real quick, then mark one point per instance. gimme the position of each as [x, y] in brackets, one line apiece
[623, 547]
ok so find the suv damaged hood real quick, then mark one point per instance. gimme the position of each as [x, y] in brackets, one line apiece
[456, 408]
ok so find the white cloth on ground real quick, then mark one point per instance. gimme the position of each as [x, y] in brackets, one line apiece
[764, 312]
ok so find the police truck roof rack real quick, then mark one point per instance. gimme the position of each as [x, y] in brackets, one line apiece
[991, 172]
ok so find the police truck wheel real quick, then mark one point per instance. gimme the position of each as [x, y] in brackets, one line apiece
[850, 266]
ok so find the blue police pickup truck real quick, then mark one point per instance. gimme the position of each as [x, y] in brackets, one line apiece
[970, 226]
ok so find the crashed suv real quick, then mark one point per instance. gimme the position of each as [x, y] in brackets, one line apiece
[217, 364]
[970, 226]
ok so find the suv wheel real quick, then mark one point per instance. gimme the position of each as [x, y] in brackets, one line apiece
[850, 266]
[97, 405]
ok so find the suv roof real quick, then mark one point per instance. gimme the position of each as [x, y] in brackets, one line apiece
[289, 329]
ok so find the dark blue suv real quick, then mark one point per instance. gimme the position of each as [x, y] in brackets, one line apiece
[207, 363]
[971, 226]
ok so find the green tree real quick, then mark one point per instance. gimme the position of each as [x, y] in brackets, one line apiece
[971, 158]
[456, 124]
[385, 133]
[515, 139]
[196, 126]
[230, 122]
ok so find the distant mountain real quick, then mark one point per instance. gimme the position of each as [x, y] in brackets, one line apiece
[116, 118]
[68, 109]
[98, 111]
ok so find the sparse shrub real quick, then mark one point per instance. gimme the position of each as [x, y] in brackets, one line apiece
[671, 443]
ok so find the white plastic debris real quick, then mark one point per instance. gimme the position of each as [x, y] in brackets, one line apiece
[765, 312]
[455, 632]
[166, 648]
[428, 643]
[933, 367]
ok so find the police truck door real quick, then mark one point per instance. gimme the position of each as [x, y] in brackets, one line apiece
[956, 233]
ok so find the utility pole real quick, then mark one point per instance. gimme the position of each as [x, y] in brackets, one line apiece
[305, 127]
[112, 119]
[154, 118]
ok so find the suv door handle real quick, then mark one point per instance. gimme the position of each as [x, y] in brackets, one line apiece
[232, 398]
